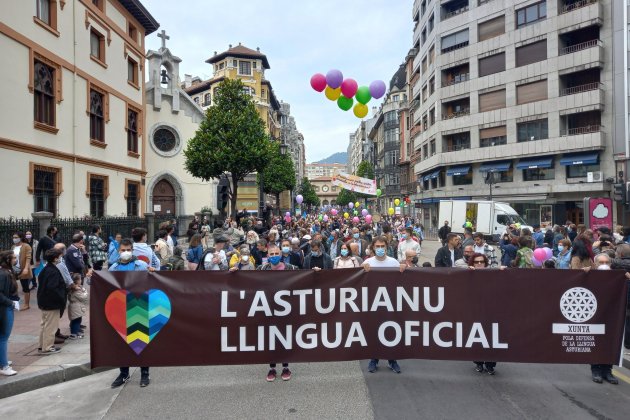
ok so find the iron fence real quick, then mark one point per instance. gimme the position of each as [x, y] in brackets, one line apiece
[110, 226]
[11, 225]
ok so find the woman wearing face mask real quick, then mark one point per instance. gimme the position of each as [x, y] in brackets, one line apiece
[23, 268]
[346, 259]
[563, 260]
[33, 243]
[9, 301]
[245, 260]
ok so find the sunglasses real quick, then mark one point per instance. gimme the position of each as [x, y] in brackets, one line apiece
[479, 262]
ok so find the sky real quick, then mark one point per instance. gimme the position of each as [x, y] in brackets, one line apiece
[366, 39]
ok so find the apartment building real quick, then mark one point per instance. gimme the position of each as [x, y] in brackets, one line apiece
[514, 99]
[317, 170]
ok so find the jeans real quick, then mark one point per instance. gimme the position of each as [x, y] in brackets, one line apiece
[75, 325]
[273, 365]
[125, 370]
[7, 326]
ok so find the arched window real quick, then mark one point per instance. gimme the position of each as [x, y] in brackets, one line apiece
[206, 99]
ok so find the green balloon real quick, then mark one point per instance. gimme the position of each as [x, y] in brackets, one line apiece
[378, 192]
[344, 103]
[356, 212]
[363, 95]
[321, 217]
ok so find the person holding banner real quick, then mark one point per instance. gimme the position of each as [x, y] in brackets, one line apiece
[128, 262]
[381, 260]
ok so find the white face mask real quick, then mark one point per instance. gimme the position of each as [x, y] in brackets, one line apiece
[603, 267]
[245, 258]
[126, 255]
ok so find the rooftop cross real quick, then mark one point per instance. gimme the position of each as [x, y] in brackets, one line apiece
[164, 37]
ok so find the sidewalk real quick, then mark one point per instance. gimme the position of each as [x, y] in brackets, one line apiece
[34, 370]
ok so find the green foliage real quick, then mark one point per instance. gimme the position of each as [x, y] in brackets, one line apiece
[279, 175]
[230, 140]
[346, 196]
[308, 193]
[365, 170]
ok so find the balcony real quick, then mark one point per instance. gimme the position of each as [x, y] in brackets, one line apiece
[493, 141]
[453, 79]
[453, 8]
[456, 142]
[587, 129]
[580, 123]
[579, 89]
[570, 49]
[579, 40]
[570, 5]
[391, 145]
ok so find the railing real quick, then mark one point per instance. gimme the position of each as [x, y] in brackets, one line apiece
[457, 114]
[569, 7]
[459, 78]
[581, 46]
[110, 226]
[12, 225]
[415, 130]
[455, 147]
[414, 104]
[579, 89]
[455, 12]
[581, 130]
[455, 47]
[493, 141]
[391, 145]
[388, 125]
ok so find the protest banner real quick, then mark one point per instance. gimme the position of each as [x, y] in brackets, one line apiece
[355, 183]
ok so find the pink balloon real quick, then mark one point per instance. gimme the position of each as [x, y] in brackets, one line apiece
[540, 254]
[549, 253]
[368, 219]
[318, 82]
[349, 88]
[287, 214]
[351, 204]
[355, 220]
[334, 212]
[536, 262]
[325, 218]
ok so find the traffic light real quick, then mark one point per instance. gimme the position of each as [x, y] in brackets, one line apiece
[619, 192]
[222, 194]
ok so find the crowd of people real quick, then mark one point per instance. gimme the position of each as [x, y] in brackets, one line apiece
[295, 243]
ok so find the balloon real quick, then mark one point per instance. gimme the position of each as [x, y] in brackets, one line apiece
[299, 199]
[377, 89]
[345, 103]
[549, 253]
[357, 204]
[536, 262]
[287, 214]
[378, 192]
[334, 212]
[355, 220]
[397, 202]
[346, 215]
[320, 217]
[332, 94]
[360, 110]
[318, 82]
[349, 88]
[334, 78]
[364, 212]
[351, 204]
[325, 218]
[363, 95]
[390, 211]
[368, 219]
[540, 254]
[356, 212]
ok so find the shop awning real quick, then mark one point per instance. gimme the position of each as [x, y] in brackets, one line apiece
[495, 166]
[432, 175]
[537, 163]
[580, 159]
[458, 170]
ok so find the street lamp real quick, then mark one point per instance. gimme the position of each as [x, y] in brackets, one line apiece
[490, 180]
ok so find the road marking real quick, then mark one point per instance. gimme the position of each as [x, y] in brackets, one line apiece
[622, 376]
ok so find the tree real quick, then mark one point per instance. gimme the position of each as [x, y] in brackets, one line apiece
[231, 139]
[365, 170]
[346, 196]
[279, 175]
[308, 193]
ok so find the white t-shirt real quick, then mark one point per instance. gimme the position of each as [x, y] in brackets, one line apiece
[209, 265]
[388, 262]
[16, 252]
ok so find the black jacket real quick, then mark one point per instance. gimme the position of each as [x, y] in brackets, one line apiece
[44, 245]
[443, 231]
[294, 259]
[328, 263]
[443, 256]
[51, 290]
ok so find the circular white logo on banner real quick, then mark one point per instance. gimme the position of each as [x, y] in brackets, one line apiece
[578, 304]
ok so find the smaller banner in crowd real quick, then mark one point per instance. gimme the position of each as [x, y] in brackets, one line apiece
[355, 183]
[179, 318]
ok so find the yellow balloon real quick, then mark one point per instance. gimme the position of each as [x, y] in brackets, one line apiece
[360, 110]
[333, 94]
[357, 204]
[346, 215]
[397, 201]
[390, 211]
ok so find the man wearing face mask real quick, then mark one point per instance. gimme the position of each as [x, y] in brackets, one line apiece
[362, 243]
[469, 251]
[288, 256]
[407, 243]
[317, 259]
[411, 258]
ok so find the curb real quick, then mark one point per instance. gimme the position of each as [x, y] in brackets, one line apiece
[19, 384]
[626, 362]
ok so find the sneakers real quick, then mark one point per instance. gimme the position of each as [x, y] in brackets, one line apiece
[393, 365]
[286, 374]
[271, 376]
[479, 367]
[490, 370]
[609, 377]
[597, 378]
[62, 336]
[144, 380]
[51, 350]
[75, 336]
[7, 371]
[372, 366]
[122, 378]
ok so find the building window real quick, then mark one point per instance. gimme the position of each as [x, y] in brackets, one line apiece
[494, 136]
[491, 28]
[531, 92]
[44, 11]
[164, 139]
[132, 131]
[132, 72]
[46, 187]
[97, 116]
[254, 64]
[97, 46]
[531, 14]
[234, 63]
[538, 174]
[196, 99]
[97, 193]
[132, 31]
[221, 66]
[505, 176]
[580, 171]
[206, 99]
[492, 64]
[245, 68]
[492, 100]
[455, 41]
[531, 53]
[44, 89]
[532, 130]
[466, 179]
[432, 147]
[133, 198]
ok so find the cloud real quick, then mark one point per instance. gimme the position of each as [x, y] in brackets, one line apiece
[367, 41]
[600, 212]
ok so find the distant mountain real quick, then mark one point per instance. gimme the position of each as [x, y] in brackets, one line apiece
[340, 157]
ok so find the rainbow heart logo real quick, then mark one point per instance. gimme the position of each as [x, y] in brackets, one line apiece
[138, 319]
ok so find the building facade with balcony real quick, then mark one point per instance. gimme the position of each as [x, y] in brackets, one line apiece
[361, 146]
[316, 170]
[519, 94]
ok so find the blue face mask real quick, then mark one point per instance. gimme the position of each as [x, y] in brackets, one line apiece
[344, 252]
[286, 249]
[380, 252]
[274, 260]
[355, 236]
[315, 253]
